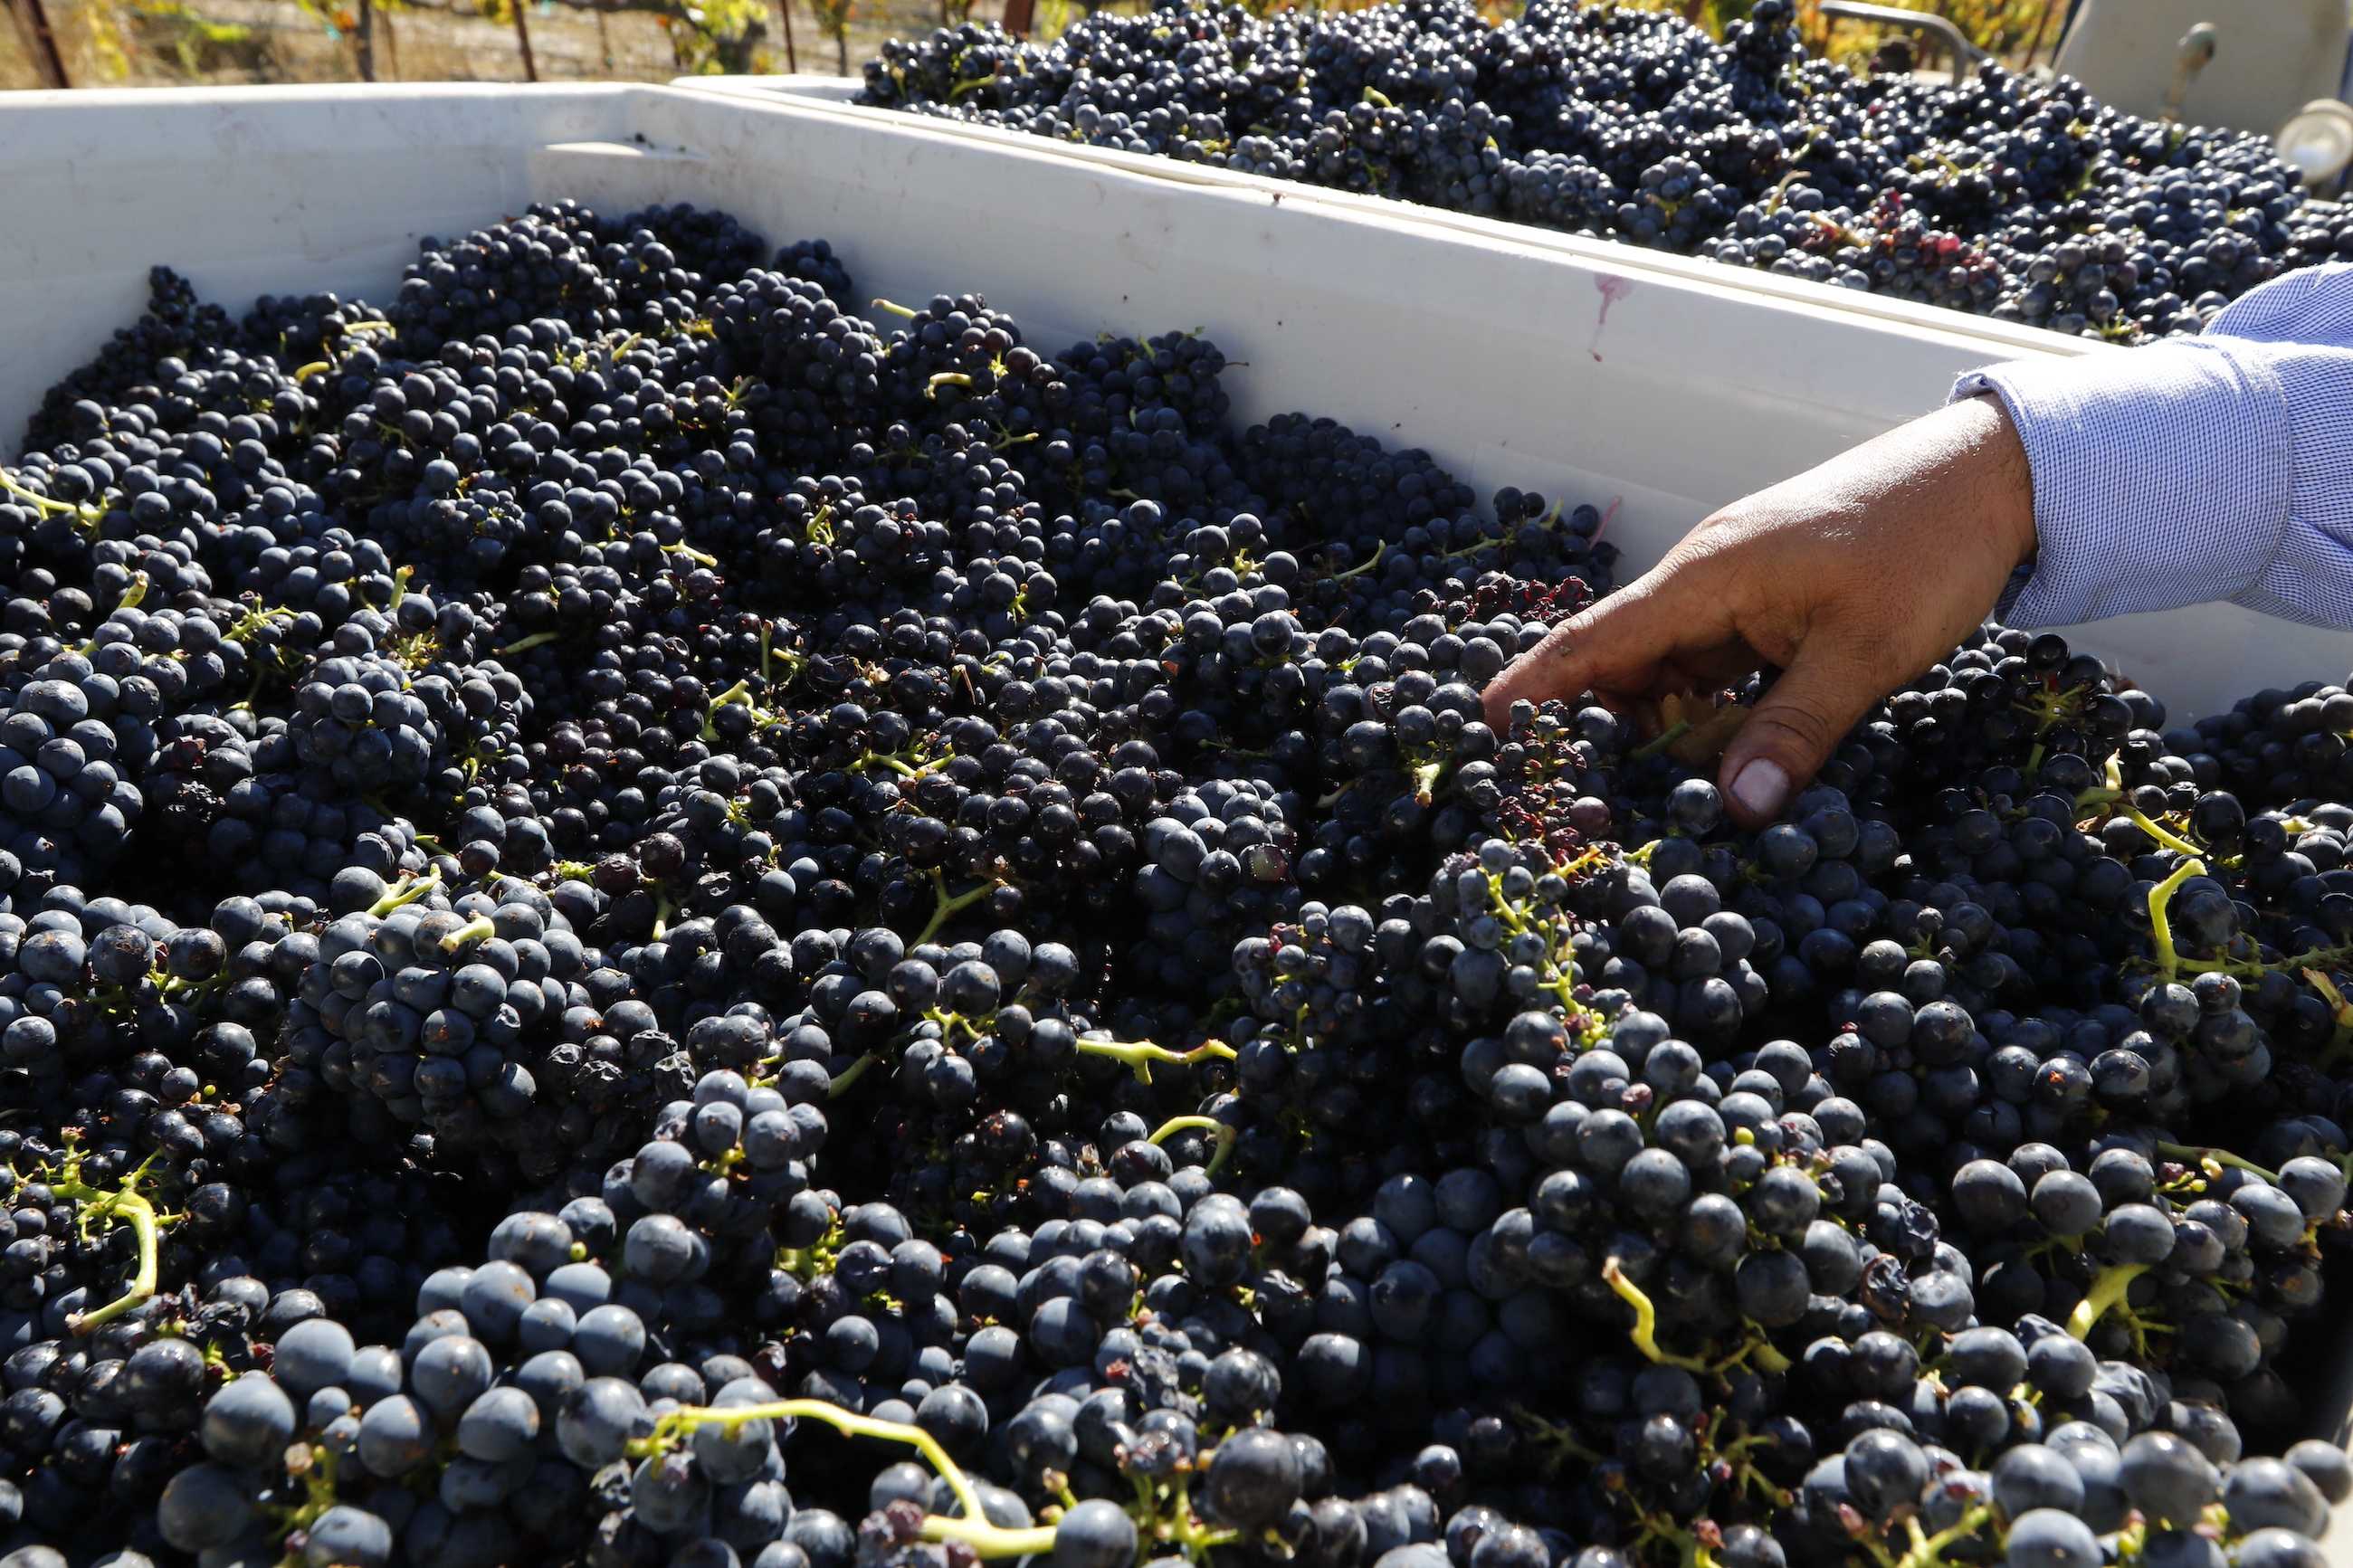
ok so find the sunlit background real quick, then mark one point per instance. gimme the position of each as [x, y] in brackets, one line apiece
[174, 43]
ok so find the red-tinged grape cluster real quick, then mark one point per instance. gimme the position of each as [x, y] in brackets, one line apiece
[646, 920]
[1998, 193]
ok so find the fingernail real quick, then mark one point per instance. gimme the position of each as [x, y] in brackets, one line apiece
[1760, 786]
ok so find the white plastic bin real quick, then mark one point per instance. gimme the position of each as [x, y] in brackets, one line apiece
[1585, 371]
[1589, 372]
[840, 95]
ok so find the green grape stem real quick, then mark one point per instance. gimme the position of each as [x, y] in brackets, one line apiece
[1556, 1437]
[741, 692]
[1183, 1528]
[1140, 1055]
[2198, 1156]
[945, 909]
[2163, 834]
[481, 927]
[1758, 1349]
[2169, 962]
[2110, 789]
[1928, 1550]
[847, 1080]
[899, 764]
[2107, 1289]
[1659, 743]
[988, 1540]
[973, 1530]
[1380, 547]
[1645, 1332]
[407, 890]
[314, 1465]
[124, 1202]
[48, 505]
[1226, 1136]
[130, 598]
[806, 1263]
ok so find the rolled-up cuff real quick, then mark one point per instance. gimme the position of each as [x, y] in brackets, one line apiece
[2309, 577]
[2162, 477]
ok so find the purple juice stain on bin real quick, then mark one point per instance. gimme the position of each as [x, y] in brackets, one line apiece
[1612, 290]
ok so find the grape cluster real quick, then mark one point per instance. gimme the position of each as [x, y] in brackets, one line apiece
[647, 921]
[2027, 201]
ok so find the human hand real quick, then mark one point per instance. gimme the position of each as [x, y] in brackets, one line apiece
[1850, 579]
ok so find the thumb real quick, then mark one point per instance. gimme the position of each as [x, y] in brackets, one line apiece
[1793, 730]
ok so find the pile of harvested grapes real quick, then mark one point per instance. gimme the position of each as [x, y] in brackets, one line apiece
[647, 921]
[2022, 200]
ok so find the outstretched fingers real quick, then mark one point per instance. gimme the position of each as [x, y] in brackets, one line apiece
[1651, 635]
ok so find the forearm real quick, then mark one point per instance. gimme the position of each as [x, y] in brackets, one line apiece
[2220, 469]
[2160, 478]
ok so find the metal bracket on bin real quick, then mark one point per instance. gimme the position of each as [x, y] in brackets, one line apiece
[2195, 53]
[1956, 43]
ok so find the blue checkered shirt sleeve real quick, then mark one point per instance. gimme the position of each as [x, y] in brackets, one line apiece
[2214, 468]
